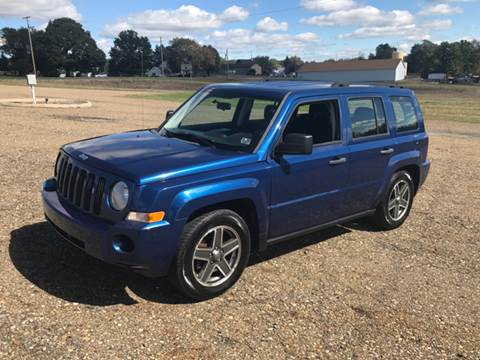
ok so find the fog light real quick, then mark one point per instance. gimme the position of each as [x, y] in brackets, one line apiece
[50, 185]
[123, 244]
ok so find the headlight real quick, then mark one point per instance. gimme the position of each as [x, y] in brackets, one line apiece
[119, 196]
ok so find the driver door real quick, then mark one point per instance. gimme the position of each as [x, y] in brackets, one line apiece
[310, 190]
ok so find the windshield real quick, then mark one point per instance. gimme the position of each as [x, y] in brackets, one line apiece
[227, 118]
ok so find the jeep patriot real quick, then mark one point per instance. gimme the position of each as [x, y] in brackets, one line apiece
[235, 169]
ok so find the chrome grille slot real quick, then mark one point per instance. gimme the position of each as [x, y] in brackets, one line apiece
[79, 186]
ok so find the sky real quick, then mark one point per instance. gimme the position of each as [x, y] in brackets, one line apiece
[311, 29]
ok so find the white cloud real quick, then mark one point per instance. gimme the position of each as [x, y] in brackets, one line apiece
[438, 24]
[410, 32]
[367, 15]
[177, 22]
[440, 9]
[244, 40]
[39, 9]
[268, 24]
[233, 13]
[105, 45]
[328, 5]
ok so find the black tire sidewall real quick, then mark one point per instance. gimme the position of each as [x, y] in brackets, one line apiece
[402, 175]
[192, 233]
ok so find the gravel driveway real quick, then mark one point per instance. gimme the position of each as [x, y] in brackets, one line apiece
[347, 292]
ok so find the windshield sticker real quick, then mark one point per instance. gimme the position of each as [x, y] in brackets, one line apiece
[246, 141]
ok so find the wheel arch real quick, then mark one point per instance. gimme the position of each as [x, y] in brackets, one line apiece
[243, 196]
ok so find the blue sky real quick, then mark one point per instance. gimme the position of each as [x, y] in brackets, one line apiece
[312, 29]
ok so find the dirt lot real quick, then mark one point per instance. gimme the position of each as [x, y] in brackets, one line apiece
[348, 292]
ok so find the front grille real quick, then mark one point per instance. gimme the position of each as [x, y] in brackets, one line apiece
[79, 186]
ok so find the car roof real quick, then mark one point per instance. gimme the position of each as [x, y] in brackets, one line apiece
[302, 87]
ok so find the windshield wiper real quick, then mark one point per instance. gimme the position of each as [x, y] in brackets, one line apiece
[191, 137]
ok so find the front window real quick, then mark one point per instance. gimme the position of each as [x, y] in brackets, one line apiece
[233, 119]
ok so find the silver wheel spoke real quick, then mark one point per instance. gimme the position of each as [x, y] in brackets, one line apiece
[202, 254]
[396, 212]
[207, 271]
[404, 190]
[230, 246]
[224, 267]
[218, 237]
[403, 203]
[391, 205]
[395, 190]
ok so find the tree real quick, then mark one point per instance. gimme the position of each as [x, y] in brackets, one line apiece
[183, 51]
[470, 56]
[127, 53]
[449, 58]
[17, 49]
[266, 63]
[209, 59]
[292, 64]
[422, 59]
[384, 51]
[66, 46]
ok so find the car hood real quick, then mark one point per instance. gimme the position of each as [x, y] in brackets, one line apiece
[145, 156]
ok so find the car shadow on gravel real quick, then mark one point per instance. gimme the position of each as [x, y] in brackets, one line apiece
[64, 271]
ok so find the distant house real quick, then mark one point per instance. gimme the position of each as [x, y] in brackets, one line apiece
[355, 70]
[154, 72]
[245, 67]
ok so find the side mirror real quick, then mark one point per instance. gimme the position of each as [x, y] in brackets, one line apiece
[295, 144]
[169, 114]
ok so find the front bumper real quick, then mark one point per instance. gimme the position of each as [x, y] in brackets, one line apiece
[154, 245]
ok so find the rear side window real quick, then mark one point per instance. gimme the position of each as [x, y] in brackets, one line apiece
[367, 116]
[405, 115]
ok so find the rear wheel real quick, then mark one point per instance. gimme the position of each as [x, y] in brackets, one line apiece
[213, 253]
[395, 207]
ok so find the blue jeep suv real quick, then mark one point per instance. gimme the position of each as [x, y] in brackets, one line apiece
[236, 168]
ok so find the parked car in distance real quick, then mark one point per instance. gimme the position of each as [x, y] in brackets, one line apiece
[235, 169]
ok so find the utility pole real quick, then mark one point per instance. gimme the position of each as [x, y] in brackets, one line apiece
[31, 45]
[161, 58]
[226, 62]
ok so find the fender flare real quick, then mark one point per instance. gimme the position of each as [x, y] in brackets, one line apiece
[187, 201]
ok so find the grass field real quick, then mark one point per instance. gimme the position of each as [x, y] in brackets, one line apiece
[442, 102]
[439, 102]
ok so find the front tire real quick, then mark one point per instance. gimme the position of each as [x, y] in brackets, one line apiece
[397, 203]
[214, 250]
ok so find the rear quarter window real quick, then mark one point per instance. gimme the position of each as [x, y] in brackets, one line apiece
[405, 115]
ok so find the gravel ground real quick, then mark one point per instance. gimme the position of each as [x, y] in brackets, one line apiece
[347, 292]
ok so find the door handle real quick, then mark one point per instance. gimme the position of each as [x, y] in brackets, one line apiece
[387, 151]
[338, 161]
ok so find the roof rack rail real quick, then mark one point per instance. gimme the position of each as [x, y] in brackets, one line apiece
[340, 84]
[347, 84]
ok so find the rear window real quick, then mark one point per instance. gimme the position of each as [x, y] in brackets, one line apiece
[367, 117]
[405, 114]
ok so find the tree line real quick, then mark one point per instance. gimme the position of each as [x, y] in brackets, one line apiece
[65, 47]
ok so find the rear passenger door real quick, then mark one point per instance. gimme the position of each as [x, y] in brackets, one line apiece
[371, 146]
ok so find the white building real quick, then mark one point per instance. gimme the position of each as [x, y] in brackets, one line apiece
[355, 70]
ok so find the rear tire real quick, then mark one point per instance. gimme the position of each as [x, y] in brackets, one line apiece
[397, 203]
[214, 250]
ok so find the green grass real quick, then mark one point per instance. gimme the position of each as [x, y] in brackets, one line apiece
[177, 96]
